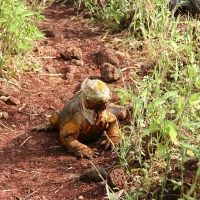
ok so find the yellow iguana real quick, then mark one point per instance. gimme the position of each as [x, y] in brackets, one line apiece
[85, 118]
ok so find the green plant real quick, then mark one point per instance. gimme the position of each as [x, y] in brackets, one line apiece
[165, 122]
[18, 33]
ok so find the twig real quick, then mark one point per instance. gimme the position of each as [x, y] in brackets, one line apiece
[27, 196]
[59, 189]
[22, 107]
[5, 126]
[50, 74]
[19, 170]
[25, 141]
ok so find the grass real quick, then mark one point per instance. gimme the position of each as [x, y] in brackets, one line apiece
[165, 123]
[18, 32]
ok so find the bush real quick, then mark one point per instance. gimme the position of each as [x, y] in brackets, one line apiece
[18, 33]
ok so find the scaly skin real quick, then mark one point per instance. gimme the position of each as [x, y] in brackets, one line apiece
[74, 128]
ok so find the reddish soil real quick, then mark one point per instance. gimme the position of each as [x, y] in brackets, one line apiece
[34, 164]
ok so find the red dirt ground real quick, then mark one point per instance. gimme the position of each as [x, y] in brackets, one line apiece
[34, 164]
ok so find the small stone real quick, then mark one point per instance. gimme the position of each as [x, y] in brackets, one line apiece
[80, 197]
[72, 53]
[69, 69]
[92, 175]
[12, 101]
[50, 69]
[109, 73]
[107, 56]
[69, 76]
[116, 178]
[77, 62]
[49, 34]
[5, 115]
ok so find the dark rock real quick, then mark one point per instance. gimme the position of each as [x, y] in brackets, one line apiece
[92, 175]
[107, 56]
[72, 53]
[109, 73]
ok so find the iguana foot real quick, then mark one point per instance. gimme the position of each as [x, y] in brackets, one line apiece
[87, 153]
[110, 142]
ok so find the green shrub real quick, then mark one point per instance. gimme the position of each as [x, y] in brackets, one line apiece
[165, 122]
[18, 33]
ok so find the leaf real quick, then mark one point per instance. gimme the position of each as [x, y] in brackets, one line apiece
[180, 104]
[170, 94]
[174, 45]
[153, 128]
[161, 147]
[28, 13]
[117, 19]
[159, 101]
[193, 149]
[197, 82]
[194, 99]
[172, 131]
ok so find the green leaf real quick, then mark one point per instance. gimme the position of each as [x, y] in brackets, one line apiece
[170, 94]
[117, 19]
[153, 128]
[161, 147]
[171, 129]
[28, 13]
[159, 101]
[194, 99]
[190, 147]
[197, 82]
[180, 104]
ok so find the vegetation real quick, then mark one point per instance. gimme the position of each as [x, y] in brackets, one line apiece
[165, 123]
[18, 31]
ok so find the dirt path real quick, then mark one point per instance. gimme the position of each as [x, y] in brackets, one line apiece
[34, 164]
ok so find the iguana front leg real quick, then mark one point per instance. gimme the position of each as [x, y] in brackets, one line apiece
[68, 139]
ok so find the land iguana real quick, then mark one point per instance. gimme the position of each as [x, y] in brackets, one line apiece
[86, 116]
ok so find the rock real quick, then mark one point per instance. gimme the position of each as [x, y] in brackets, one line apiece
[10, 100]
[69, 71]
[72, 53]
[49, 34]
[92, 175]
[77, 62]
[4, 115]
[107, 56]
[50, 69]
[69, 76]
[109, 73]
[6, 90]
[116, 178]
[47, 51]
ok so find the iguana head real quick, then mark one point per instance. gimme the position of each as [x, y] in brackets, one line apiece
[95, 98]
[95, 94]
